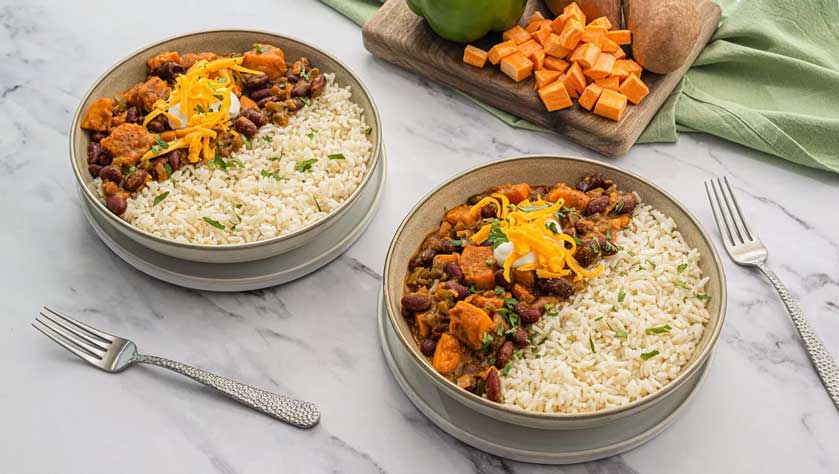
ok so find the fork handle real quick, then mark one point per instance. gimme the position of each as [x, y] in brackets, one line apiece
[825, 365]
[294, 412]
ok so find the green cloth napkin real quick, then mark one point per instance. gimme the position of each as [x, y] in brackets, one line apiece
[769, 80]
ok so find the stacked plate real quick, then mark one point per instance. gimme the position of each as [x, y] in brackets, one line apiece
[232, 267]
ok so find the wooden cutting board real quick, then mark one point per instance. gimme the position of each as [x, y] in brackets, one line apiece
[397, 35]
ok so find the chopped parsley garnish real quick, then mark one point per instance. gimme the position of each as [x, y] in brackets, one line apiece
[159, 144]
[490, 262]
[368, 131]
[259, 48]
[533, 208]
[337, 156]
[609, 247]
[200, 109]
[598, 318]
[500, 291]
[618, 207]
[277, 158]
[271, 174]
[168, 168]
[577, 240]
[473, 290]
[265, 139]
[652, 265]
[305, 165]
[159, 198]
[304, 73]
[311, 133]
[306, 101]
[658, 329]
[506, 369]
[457, 242]
[609, 234]
[621, 295]
[551, 226]
[649, 355]
[631, 253]
[496, 235]
[703, 297]
[591, 344]
[564, 212]
[317, 204]
[681, 268]
[248, 143]
[213, 223]
[486, 340]
[681, 284]
[218, 96]
[236, 161]
[621, 334]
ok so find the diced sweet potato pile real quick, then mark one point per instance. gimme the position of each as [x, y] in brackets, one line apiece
[569, 59]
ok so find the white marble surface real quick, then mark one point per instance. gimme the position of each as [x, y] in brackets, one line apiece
[762, 409]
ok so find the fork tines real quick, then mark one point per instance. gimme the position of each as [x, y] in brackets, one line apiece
[727, 213]
[86, 342]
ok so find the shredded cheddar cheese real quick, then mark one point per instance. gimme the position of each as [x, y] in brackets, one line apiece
[202, 97]
[531, 227]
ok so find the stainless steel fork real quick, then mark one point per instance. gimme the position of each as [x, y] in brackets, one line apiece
[114, 354]
[746, 249]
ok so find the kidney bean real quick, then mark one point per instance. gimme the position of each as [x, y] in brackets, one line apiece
[504, 354]
[158, 124]
[174, 159]
[443, 245]
[537, 192]
[168, 71]
[422, 259]
[94, 151]
[111, 173]
[416, 303]
[428, 346]
[131, 115]
[260, 94]
[555, 286]
[585, 255]
[244, 126]
[255, 81]
[97, 136]
[528, 315]
[94, 170]
[454, 271]
[500, 280]
[116, 204]
[110, 188]
[298, 103]
[520, 338]
[597, 205]
[265, 100]
[438, 331]
[489, 210]
[593, 181]
[258, 118]
[462, 291]
[301, 89]
[629, 203]
[493, 386]
[136, 180]
[318, 85]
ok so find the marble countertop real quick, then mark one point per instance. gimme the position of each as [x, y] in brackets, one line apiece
[761, 410]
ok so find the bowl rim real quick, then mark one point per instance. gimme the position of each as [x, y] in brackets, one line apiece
[126, 226]
[470, 397]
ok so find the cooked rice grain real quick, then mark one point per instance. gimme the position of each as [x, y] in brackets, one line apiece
[564, 374]
[252, 206]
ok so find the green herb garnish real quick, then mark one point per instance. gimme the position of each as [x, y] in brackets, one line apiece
[618, 207]
[658, 329]
[631, 253]
[621, 334]
[168, 168]
[368, 131]
[457, 242]
[499, 291]
[198, 108]
[681, 268]
[305, 165]
[703, 297]
[317, 204]
[681, 284]
[591, 344]
[551, 226]
[652, 265]
[159, 198]
[213, 223]
[271, 174]
[578, 241]
[486, 340]
[533, 208]
[311, 133]
[259, 48]
[496, 234]
[506, 369]
[159, 144]
[621, 295]
[237, 162]
[649, 355]
[490, 262]
[337, 156]
[248, 143]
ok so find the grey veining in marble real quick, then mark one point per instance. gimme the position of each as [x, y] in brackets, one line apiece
[762, 409]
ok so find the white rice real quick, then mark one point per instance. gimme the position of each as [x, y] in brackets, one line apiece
[565, 375]
[252, 206]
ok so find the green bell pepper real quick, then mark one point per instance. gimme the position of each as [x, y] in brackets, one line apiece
[468, 20]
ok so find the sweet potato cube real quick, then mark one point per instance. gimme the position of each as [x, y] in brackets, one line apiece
[556, 64]
[586, 54]
[501, 50]
[611, 105]
[516, 66]
[439, 261]
[594, 34]
[601, 21]
[572, 10]
[534, 25]
[590, 95]
[541, 35]
[553, 47]
[608, 46]
[570, 196]
[98, 115]
[536, 16]
[473, 262]
[422, 325]
[555, 96]
[468, 323]
[575, 81]
[544, 77]
[571, 34]
[619, 53]
[620, 36]
[447, 354]
[631, 66]
[634, 88]
[602, 68]
[558, 24]
[538, 59]
[461, 214]
[528, 47]
[516, 193]
[474, 56]
[611, 83]
[619, 71]
[517, 34]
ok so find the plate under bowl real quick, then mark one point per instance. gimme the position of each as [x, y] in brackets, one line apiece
[132, 69]
[426, 215]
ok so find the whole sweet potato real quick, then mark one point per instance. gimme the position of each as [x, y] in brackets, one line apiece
[663, 32]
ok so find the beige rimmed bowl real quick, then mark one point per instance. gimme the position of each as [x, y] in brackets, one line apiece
[132, 69]
[425, 217]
